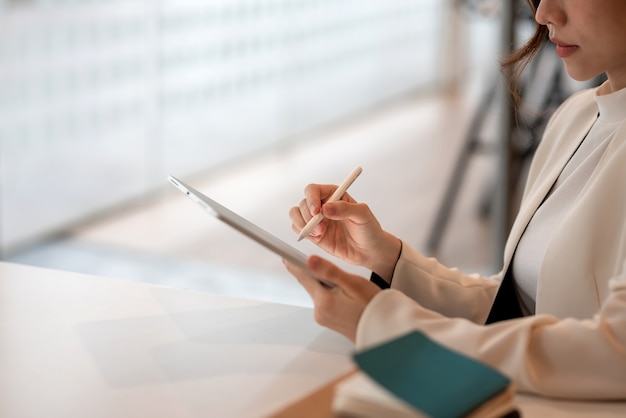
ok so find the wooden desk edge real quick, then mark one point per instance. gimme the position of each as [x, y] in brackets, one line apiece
[318, 404]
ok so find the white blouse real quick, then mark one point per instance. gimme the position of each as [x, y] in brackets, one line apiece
[531, 249]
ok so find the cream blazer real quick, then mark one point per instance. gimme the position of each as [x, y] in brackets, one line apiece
[575, 345]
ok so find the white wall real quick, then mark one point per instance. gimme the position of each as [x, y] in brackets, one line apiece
[101, 99]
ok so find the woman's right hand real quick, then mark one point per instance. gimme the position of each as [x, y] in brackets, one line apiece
[349, 230]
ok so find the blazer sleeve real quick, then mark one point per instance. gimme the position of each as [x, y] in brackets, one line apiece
[445, 290]
[545, 355]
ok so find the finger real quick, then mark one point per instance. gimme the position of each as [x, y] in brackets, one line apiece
[310, 284]
[305, 211]
[297, 216]
[313, 199]
[300, 216]
[316, 194]
[324, 269]
[297, 223]
[359, 213]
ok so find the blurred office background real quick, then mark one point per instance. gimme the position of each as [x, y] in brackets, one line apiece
[249, 101]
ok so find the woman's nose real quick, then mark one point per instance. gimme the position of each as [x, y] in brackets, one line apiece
[550, 12]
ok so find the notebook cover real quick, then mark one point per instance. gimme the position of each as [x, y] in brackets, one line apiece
[434, 379]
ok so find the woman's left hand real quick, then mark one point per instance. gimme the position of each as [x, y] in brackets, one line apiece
[339, 308]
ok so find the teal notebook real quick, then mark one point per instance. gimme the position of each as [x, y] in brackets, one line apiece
[435, 380]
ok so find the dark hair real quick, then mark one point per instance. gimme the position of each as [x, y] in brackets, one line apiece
[514, 64]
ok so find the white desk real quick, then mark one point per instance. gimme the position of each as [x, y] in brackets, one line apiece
[73, 345]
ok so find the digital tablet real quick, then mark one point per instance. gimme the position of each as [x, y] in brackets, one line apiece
[246, 227]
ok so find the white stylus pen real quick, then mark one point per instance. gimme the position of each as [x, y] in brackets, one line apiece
[341, 190]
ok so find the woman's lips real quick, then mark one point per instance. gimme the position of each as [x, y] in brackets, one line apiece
[564, 50]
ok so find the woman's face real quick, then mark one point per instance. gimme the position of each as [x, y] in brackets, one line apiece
[590, 36]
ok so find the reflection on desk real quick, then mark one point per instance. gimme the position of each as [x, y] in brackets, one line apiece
[74, 345]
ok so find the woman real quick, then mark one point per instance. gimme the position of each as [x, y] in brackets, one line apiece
[554, 319]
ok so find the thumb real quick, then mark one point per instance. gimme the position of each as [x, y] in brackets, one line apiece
[326, 270]
[342, 210]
